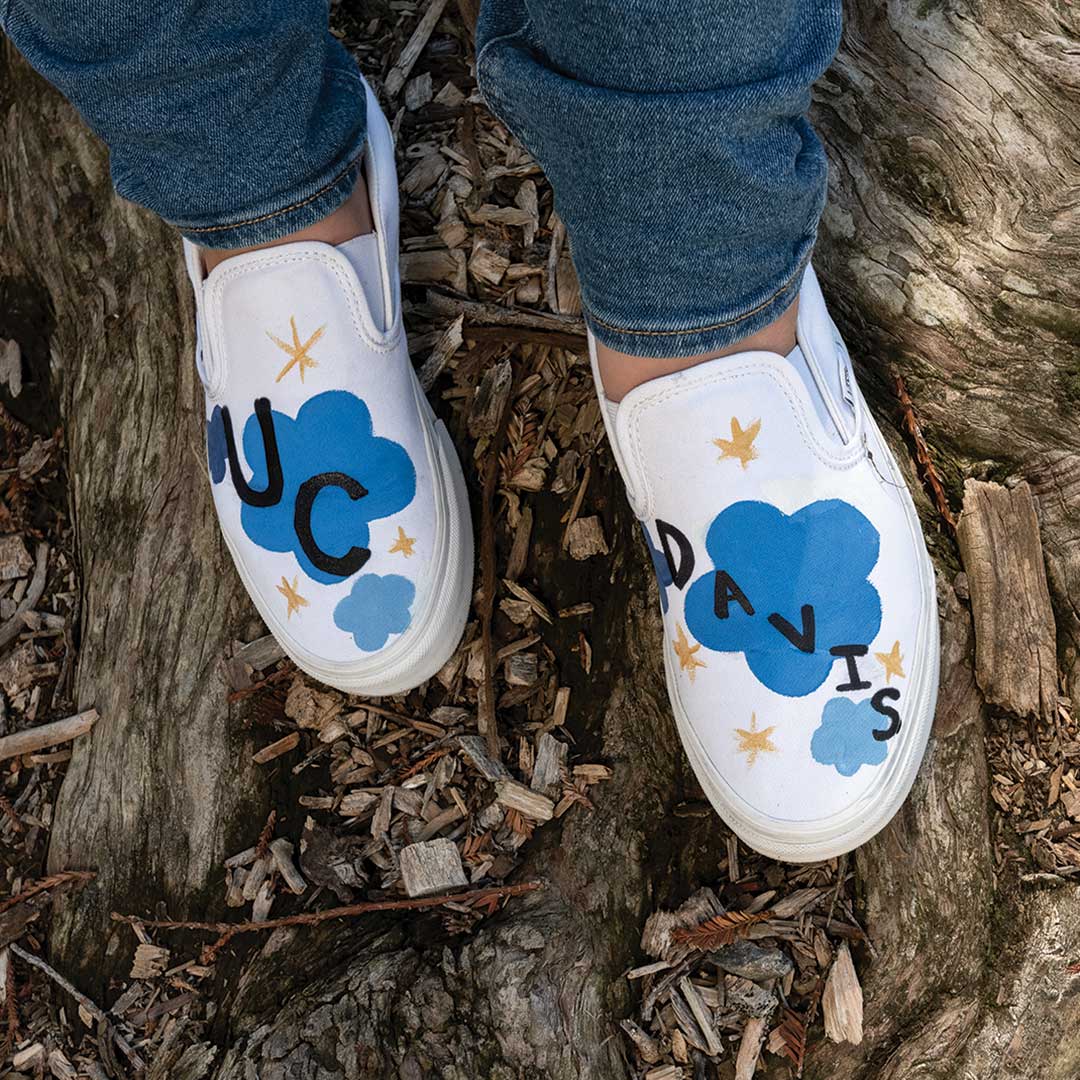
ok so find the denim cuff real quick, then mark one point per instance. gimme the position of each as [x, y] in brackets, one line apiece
[691, 210]
[304, 210]
[690, 340]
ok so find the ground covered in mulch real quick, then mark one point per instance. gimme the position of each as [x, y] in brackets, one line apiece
[408, 805]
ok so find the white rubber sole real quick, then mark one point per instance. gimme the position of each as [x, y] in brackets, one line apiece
[814, 841]
[436, 630]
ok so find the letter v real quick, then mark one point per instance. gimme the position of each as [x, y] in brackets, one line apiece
[803, 641]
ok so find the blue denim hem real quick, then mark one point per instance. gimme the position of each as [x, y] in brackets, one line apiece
[724, 332]
[304, 211]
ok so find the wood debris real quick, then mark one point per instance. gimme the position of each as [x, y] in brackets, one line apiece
[842, 1002]
[739, 969]
[1015, 633]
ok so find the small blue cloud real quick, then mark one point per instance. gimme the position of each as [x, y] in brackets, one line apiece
[376, 608]
[806, 572]
[333, 433]
[660, 565]
[846, 736]
[216, 452]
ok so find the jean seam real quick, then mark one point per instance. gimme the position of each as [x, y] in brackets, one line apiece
[712, 326]
[343, 76]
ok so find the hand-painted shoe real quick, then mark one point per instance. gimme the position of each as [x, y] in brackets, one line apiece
[799, 602]
[339, 493]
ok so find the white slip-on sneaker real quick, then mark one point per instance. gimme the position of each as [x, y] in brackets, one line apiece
[340, 496]
[799, 603]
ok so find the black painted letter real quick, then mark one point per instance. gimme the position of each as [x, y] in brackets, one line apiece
[342, 565]
[802, 640]
[849, 652]
[724, 591]
[271, 495]
[878, 702]
[680, 574]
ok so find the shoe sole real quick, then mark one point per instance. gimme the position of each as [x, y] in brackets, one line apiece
[797, 842]
[409, 661]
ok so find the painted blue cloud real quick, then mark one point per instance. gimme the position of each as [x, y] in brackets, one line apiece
[332, 433]
[216, 452]
[846, 736]
[375, 608]
[805, 572]
[660, 565]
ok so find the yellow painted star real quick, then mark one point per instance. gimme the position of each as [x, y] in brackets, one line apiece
[292, 597]
[892, 662]
[740, 446]
[404, 543]
[754, 742]
[298, 354]
[688, 662]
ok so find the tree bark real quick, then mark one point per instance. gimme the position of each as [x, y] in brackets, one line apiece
[951, 255]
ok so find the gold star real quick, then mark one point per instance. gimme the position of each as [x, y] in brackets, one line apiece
[892, 662]
[754, 742]
[298, 353]
[292, 597]
[741, 444]
[404, 543]
[685, 652]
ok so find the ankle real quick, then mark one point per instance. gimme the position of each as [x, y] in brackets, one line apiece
[351, 219]
[621, 372]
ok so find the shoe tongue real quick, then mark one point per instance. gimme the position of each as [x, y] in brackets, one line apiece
[363, 255]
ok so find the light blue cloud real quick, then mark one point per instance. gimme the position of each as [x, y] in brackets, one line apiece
[332, 433]
[846, 736]
[375, 608]
[805, 572]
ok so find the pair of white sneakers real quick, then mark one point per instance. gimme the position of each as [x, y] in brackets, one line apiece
[798, 599]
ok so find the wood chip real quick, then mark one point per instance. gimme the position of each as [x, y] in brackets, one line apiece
[749, 1048]
[585, 538]
[15, 561]
[842, 1001]
[261, 653]
[531, 804]
[431, 867]
[277, 748]
[547, 775]
[702, 1015]
[474, 749]
[282, 852]
[150, 961]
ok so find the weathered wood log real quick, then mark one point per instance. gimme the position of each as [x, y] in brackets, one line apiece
[950, 251]
[1015, 636]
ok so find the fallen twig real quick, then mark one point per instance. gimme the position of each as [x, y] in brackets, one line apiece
[413, 48]
[922, 453]
[46, 735]
[15, 625]
[54, 881]
[83, 1000]
[311, 918]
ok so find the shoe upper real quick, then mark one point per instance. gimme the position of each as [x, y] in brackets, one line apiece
[321, 447]
[797, 595]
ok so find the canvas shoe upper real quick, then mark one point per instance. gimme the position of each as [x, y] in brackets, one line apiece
[339, 493]
[801, 639]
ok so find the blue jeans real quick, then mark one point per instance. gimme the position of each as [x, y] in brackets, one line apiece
[674, 134]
